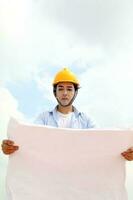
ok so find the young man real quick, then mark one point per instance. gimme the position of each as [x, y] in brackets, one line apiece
[65, 115]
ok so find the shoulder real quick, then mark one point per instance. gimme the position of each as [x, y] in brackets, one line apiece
[84, 116]
[42, 117]
[87, 119]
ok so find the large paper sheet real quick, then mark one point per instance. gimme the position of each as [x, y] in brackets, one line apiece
[66, 164]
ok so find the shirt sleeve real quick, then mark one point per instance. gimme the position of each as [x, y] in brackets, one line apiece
[89, 122]
[41, 119]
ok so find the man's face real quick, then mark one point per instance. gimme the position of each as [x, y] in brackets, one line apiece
[65, 92]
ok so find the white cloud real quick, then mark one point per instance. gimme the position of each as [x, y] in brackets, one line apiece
[92, 36]
[97, 22]
[31, 38]
[44, 82]
[15, 51]
[8, 108]
[106, 94]
[73, 33]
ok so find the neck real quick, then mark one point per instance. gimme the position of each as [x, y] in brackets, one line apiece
[65, 110]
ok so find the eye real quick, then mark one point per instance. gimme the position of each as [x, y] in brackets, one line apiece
[70, 89]
[60, 89]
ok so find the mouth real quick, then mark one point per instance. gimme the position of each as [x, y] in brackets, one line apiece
[64, 99]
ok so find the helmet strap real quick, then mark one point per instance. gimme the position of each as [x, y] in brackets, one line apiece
[72, 100]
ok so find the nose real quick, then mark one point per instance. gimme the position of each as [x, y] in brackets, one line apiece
[65, 92]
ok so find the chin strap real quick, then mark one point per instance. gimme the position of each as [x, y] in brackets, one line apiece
[72, 100]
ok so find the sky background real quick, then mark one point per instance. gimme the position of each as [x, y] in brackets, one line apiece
[94, 38]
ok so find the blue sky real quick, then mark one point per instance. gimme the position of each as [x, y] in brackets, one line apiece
[93, 38]
[28, 96]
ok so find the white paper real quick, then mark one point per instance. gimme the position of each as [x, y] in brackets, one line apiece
[66, 164]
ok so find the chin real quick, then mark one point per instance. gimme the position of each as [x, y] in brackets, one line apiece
[64, 104]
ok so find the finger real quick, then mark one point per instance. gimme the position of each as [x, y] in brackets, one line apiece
[128, 153]
[128, 157]
[16, 147]
[6, 147]
[129, 150]
[124, 153]
[8, 142]
[9, 152]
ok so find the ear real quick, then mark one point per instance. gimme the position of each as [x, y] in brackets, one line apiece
[54, 92]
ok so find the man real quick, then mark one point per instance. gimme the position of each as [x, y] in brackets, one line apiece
[65, 89]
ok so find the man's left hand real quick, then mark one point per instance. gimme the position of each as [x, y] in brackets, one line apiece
[128, 154]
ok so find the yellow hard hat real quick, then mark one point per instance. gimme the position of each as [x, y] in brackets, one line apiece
[65, 75]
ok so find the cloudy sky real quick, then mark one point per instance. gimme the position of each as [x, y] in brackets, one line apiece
[92, 37]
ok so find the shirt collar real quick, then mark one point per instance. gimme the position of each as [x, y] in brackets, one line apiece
[54, 111]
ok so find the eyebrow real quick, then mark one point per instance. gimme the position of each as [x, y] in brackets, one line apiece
[68, 86]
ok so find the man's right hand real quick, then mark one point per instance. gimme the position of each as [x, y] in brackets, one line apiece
[8, 147]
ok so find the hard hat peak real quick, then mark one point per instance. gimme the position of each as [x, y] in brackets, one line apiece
[65, 75]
